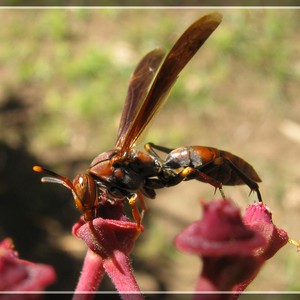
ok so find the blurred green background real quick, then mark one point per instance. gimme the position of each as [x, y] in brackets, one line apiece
[149, 3]
[64, 75]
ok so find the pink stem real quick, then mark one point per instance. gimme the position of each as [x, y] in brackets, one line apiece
[119, 269]
[91, 276]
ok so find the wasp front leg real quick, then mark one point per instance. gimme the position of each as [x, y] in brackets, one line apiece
[136, 214]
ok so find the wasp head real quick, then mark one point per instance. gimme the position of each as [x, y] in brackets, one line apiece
[83, 189]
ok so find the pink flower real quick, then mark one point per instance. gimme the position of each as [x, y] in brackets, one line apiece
[110, 242]
[22, 276]
[259, 218]
[232, 249]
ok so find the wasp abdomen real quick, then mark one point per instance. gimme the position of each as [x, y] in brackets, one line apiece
[190, 156]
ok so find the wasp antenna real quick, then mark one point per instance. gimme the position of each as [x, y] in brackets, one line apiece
[40, 169]
[63, 181]
[55, 178]
[52, 180]
[37, 169]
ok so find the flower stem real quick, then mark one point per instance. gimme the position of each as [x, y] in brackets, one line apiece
[119, 270]
[91, 276]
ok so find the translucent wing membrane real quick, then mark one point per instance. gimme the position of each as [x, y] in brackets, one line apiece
[181, 53]
[138, 87]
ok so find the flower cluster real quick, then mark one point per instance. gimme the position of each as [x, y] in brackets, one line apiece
[232, 249]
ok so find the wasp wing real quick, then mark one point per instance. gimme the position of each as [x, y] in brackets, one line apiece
[181, 53]
[137, 90]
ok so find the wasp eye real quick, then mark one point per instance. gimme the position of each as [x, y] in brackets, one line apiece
[81, 181]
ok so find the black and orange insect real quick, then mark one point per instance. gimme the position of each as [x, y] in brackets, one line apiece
[125, 173]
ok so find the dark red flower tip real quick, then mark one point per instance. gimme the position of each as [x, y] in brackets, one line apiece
[110, 243]
[20, 275]
[220, 232]
[104, 236]
[258, 217]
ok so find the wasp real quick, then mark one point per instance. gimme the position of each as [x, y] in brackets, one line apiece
[124, 173]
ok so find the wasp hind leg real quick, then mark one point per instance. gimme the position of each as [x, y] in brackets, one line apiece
[248, 181]
[190, 173]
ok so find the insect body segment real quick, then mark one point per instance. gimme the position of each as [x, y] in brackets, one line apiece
[206, 164]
